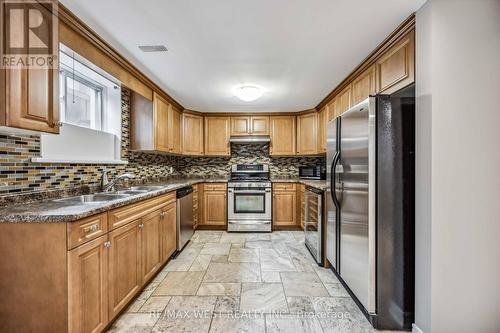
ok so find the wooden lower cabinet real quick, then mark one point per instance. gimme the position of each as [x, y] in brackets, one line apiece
[125, 278]
[88, 287]
[215, 204]
[168, 231]
[284, 205]
[151, 238]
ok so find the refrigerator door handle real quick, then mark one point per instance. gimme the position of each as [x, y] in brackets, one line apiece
[332, 180]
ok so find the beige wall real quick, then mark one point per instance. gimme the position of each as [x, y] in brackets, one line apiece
[458, 166]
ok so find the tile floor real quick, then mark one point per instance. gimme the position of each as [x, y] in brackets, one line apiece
[226, 282]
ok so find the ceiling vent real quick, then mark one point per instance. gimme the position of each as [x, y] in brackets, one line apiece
[153, 48]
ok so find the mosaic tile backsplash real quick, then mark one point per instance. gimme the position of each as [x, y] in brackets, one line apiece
[245, 154]
[18, 175]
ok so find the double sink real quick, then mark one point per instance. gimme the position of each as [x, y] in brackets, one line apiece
[110, 196]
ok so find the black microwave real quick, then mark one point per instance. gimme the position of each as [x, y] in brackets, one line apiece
[312, 172]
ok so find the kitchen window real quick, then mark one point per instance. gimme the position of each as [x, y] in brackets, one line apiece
[81, 100]
[90, 110]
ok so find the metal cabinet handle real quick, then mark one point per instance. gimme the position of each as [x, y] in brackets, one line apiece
[141, 225]
[162, 215]
[56, 124]
[107, 244]
[93, 228]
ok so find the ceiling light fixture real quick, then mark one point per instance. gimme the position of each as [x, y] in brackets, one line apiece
[248, 93]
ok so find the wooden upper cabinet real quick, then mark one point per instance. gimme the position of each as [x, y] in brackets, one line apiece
[344, 100]
[307, 134]
[217, 136]
[333, 109]
[161, 123]
[363, 86]
[259, 125]
[88, 287]
[322, 122]
[192, 134]
[168, 126]
[155, 125]
[283, 135]
[396, 68]
[249, 125]
[174, 130]
[240, 126]
[29, 97]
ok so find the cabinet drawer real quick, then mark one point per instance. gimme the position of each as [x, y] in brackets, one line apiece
[284, 186]
[123, 215]
[84, 230]
[215, 187]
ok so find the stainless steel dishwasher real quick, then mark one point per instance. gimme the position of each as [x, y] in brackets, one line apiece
[184, 216]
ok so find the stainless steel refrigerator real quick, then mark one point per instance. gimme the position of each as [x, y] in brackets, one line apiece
[370, 206]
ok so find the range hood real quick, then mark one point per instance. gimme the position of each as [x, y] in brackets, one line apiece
[250, 139]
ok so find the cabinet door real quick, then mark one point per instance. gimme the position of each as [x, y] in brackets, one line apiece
[333, 109]
[322, 120]
[168, 232]
[240, 126]
[307, 134]
[88, 287]
[32, 94]
[161, 123]
[344, 100]
[283, 134]
[124, 266]
[174, 130]
[192, 134]
[396, 68]
[284, 208]
[150, 227]
[259, 125]
[217, 136]
[215, 207]
[363, 86]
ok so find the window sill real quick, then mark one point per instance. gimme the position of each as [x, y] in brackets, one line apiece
[75, 161]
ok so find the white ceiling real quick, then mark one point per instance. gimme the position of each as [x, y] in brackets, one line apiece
[298, 50]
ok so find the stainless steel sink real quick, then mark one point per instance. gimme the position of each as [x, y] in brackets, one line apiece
[145, 188]
[98, 197]
[129, 192]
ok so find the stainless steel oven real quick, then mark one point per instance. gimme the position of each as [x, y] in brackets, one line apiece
[249, 198]
[249, 206]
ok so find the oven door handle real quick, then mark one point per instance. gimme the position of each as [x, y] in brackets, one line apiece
[251, 191]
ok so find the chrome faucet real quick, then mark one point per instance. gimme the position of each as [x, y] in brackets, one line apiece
[107, 185]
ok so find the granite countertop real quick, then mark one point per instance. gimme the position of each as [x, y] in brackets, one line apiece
[319, 184]
[55, 211]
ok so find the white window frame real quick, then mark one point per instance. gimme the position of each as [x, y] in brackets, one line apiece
[97, 116]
